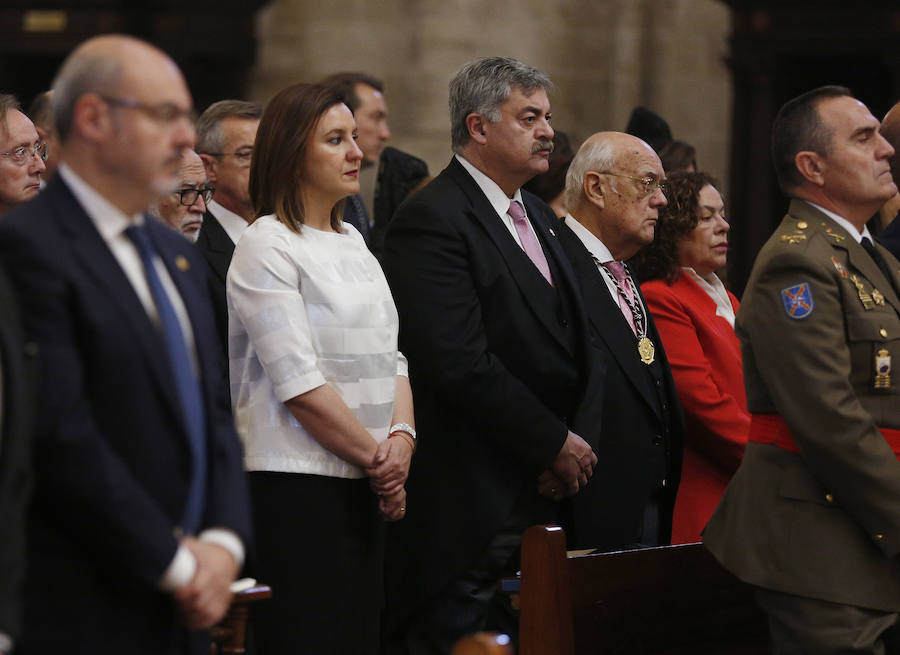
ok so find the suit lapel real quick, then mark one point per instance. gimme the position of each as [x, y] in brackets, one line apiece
[606, 317]
[218, 245]
[95, 257]
[524, 273]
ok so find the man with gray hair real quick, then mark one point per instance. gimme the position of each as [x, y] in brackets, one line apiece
[614, 191]
[22, 155]
[495, 333]
[226, 132]
[183, 208]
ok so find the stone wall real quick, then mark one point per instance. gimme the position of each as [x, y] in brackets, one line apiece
[605, 57]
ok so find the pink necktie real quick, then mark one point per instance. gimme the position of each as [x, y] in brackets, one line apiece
[529, 241]
[621, 275]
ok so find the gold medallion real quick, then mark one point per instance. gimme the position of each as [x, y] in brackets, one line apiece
[182, 263]
[646, 350]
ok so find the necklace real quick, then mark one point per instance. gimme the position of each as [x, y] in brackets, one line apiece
[645, 347]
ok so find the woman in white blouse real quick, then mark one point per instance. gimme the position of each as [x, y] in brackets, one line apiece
[320, 394]
[694, 314]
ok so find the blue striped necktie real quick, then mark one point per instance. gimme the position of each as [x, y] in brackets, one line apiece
[186, 382]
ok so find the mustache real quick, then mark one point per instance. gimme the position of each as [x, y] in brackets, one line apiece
[541, 145]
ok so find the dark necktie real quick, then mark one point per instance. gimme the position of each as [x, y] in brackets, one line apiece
[879, 260]
[186, 383]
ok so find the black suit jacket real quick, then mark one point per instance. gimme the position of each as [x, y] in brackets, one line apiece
[640, 438]
[18, 364]
[498, 370]
[218, 248]
[112, 457]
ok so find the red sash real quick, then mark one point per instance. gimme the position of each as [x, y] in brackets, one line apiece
[771, 429]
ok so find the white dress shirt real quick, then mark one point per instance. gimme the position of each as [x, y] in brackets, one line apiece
[714, 288]
[498, 199]
[233, 224]
[111, 224]
[852, 230]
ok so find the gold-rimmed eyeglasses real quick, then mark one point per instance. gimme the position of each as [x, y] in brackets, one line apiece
[24, 154]
[649, 184]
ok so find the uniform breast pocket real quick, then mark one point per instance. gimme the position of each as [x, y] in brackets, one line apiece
[874, 341]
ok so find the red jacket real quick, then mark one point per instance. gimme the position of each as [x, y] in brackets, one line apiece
[706, 363]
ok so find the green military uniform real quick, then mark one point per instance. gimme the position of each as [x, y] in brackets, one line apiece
[819, 327]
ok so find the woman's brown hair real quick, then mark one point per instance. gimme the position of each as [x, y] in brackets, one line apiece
[276, 173]
[659, 259]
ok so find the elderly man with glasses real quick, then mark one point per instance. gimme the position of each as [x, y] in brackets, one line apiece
[183, 208]
[22, 155]
[614, 191]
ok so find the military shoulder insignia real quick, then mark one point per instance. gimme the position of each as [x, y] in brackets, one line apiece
[797, 301]
[834, 235]
[793, 238]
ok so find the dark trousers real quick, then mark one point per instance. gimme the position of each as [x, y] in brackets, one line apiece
[471, 602]
[806, 626]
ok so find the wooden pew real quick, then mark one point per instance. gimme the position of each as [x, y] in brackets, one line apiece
[229, 635]
[675, 600]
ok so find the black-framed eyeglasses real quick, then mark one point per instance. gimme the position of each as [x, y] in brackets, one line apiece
[243, 156]
[24, 154]
[189, 196]
[164, 112]
[649, 185]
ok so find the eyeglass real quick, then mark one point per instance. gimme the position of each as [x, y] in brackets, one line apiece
[650, 184]
[243, 156]
[23, 154]
[165, 112]
[189, 196]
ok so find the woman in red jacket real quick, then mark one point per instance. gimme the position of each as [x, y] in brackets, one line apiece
[694, 314]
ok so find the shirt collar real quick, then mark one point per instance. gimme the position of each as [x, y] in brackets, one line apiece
[844, 223]
[594, 245]
[233, 224]
[495, 195]
[109, 220]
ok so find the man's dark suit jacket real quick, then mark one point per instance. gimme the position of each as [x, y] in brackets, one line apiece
[218, 248]
[112, 456]
[498, 371]
[17, 361]
[640, 436]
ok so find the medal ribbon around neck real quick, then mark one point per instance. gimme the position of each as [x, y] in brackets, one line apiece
[645, 346]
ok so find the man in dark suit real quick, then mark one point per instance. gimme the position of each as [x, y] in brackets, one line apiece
[226, 132]
[364, 95]
[140, 513]
[890, 130]
[812, 516]
[16, 413]
[494, 330]
[614, 193]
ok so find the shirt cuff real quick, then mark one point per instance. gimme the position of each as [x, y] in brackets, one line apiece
[227, 540]
[6, 643]
[181, 570]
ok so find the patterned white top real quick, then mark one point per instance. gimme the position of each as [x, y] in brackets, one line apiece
[306, 310]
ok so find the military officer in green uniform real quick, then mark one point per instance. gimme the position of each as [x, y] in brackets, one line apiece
[812, 517]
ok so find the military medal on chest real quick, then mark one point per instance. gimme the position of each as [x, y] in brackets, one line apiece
[882, 369]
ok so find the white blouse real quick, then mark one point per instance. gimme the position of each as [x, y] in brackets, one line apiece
[306, 310]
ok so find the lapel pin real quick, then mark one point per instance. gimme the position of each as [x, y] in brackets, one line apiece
[182, 263]
[552, 233]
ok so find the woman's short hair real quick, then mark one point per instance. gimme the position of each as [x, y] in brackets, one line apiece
[276, 172]
[659, 259]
